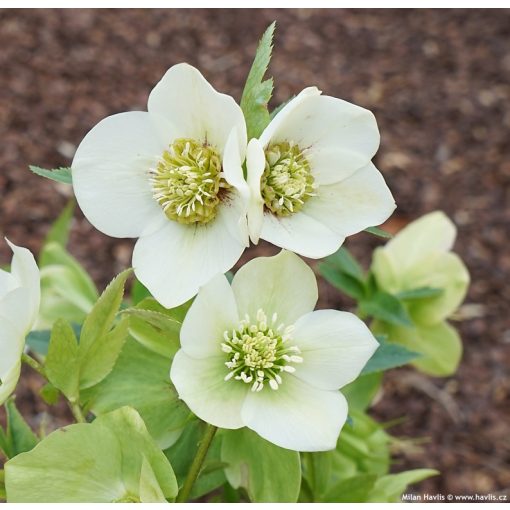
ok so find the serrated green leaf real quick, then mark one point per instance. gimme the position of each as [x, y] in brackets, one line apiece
[39, 340]
[139, 292]
[420, 293]
[389, 488]
[257, 93]
[389, 355]
[379, 232]
[99, 360]
[93, 462]
[251, 458]
[59, 231]
[62, 362]
[62, 174]
[141, 379]
[385, 307]
[355, 489]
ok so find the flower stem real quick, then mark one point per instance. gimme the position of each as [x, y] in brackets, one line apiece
[35, 365]
[196, 465]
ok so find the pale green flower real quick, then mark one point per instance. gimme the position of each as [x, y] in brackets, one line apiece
[417, 257]
[172, 177]
[255, 354]
[311, 178]
[19, 305]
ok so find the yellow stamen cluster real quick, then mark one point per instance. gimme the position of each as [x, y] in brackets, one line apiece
[287, 182]
[188, 180]
[258, 352]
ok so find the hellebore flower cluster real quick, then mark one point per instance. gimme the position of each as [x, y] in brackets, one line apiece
[173, 177]
[20, 294]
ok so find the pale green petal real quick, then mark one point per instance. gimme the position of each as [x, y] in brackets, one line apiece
[445, 271]
[296, 416]
[282, 284]
[440, 346]
[335, 346]
[213, 312]
[431, 233]
[9, 380]
[201, 384]
[255, 163]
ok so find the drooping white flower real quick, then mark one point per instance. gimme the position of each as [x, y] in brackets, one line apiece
[311, 177]
[19, 305]
[172, 177]
[255, 354]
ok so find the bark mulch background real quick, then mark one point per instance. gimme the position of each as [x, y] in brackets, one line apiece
[439, 85]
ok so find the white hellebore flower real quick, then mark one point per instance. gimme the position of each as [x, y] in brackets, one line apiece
[256, 355]
[311, 178]
[172, 177]
[20, 295]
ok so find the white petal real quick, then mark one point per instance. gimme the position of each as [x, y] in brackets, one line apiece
[12, 342]
[25, 271]
[201, 384]
[363, 200]
[335, 346]
[233, 170]
[283, 284]
[176, 261]
[341, 137]
[9, 382]
[296, 416]
[186, 98]
[301, 234]
[7, 283]
[255, 163]
[111, 176]
[213, 312]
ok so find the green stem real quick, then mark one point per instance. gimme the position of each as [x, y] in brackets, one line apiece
[35, 365]
[196, 465]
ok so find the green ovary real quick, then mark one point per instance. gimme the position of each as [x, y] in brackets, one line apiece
[287, 182]
[258, 352]
[187, 181]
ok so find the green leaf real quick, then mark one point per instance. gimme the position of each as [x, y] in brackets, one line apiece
[100, 359]
[257, 93]
[388, 355]
[379, 232]
[59, 231]
[62, 174]
[100, 320]
[96, 462]
[62, 363]
[39, 340]
[280, 107]
[140, 379]
[18, 437]
[420, 293]
[49, 394]
[387, 308]
[389, 488]
[139, 292]
[343, 271]
[155, 330]
[317, 469]
[362, 391]
[355, 489]
[2, 486]
[267, 472]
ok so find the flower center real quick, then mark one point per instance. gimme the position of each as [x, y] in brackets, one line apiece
[188, 180]
[258, 352]
[287, 182]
